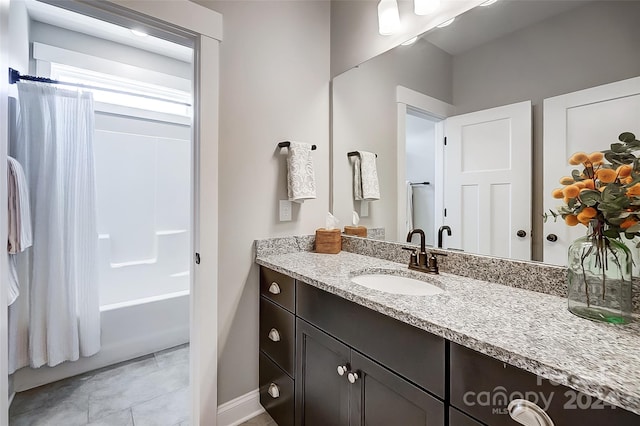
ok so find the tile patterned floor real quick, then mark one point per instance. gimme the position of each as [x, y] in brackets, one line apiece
[263, 419]
[148, 391]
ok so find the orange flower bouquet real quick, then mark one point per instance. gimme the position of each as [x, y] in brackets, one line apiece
[603, 195]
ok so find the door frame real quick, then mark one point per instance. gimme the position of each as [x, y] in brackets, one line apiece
[407, 99]
[203, 27]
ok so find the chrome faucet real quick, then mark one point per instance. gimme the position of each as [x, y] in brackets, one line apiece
[440, 231]
[418, 260]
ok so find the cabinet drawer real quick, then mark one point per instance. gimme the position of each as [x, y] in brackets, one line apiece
[483, 387]
[456, 418]
[278, 288]
[413, 353]
[277, 334]
[281, 405]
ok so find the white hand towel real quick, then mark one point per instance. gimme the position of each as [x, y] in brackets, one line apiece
[20, 236]
[365, 177]
[409, 208]
[301, 181]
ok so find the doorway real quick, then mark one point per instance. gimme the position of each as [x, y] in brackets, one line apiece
[204, 34]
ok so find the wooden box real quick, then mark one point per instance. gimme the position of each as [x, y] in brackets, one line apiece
[357, 231]
[328, 241]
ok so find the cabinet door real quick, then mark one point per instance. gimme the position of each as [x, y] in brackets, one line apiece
[322, 395]
[381, 398]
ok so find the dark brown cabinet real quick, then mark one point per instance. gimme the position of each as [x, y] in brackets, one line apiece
[482, 387]
[326, 361]
[336, 385]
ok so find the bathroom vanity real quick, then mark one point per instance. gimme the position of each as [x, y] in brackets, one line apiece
[333, 352]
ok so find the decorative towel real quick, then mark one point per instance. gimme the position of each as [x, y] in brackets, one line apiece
[301, 181]
[408, 224]
[365, 177]
[19, 232]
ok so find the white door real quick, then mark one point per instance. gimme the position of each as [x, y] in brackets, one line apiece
[588, 120]
[488, 181]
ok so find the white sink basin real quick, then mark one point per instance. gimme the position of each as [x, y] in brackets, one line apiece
[397, 285]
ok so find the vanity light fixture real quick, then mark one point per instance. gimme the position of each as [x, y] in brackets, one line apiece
[139, 33]
[425, 7]
[410, 41]
[388, 17]
[446, 23]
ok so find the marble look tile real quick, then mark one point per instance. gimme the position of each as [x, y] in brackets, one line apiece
[65, 413]
[173, 356]
[167, 410]
[118, 375]
[263, 419]
[121, 418]
[529, 330]
[128, 391]
[73, 391]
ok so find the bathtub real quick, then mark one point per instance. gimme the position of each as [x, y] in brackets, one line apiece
[129, 329]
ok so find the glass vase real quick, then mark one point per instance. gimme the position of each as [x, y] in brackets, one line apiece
[600, 279]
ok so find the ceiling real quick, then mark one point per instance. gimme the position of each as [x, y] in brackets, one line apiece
[484, 24]
[63, 18]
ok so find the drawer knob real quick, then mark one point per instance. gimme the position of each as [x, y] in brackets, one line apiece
[274, 391]
[274, 335]
[274, 288]
[527, 413]
[342, 369]
[353, 377]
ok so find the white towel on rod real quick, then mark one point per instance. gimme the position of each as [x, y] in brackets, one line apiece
[365, 177]
[409, 208]
[19, 213]
[301, 181]
[20, 236]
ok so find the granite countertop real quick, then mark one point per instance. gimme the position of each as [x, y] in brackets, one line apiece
[530, 330]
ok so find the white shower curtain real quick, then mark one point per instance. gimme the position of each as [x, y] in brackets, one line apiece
[55, 147]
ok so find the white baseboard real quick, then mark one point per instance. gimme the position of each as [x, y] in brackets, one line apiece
[240, 409]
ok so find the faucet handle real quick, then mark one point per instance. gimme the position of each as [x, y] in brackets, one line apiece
[413, 260]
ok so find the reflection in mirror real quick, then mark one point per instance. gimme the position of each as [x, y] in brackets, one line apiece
[512, 54]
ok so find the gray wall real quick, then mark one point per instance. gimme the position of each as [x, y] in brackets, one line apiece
[364, 111]
[354, 29]
[274, 86]
[592, 45]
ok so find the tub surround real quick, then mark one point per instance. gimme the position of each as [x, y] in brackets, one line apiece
[488, 312]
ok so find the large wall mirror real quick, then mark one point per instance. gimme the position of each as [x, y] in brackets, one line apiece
[515, 87]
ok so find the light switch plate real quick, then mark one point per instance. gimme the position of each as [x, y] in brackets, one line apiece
[364, 208]
[285, 210]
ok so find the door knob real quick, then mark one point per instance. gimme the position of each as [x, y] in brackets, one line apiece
[274, 335]
[342, 369]
[527, 413]
[521, 233]
[274, 288]
[552, 238]
[274, 391]
[352, 377]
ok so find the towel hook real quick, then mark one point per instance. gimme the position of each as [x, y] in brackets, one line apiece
[287, 144]
[355, 153]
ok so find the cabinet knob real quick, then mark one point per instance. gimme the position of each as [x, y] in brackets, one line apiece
[552, 238]
[274, 391]
[521, 233]
[274, 335]
[528, 414]
[353, 377]
[342, 369]
[274, 288]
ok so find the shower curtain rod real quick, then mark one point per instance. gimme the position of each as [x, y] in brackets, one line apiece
[15, 76]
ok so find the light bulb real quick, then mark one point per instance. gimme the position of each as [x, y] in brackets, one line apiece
[425, 7]
[388, 17]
